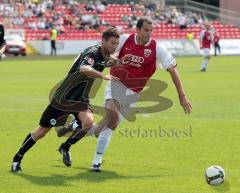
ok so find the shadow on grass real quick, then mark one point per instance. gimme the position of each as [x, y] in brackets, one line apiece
[53, 180]
[223, 187]
[85, 174]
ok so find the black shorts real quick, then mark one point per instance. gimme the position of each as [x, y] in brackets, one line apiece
[53, 117]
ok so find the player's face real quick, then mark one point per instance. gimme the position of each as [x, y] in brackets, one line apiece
[145, 33]
[207, 26]
[111, 44]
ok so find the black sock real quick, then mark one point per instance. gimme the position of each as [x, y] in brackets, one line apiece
[26, 145]
[74, 138]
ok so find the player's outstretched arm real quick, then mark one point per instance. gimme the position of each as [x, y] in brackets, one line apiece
[91, 72]
[113, 61]
[187, 107]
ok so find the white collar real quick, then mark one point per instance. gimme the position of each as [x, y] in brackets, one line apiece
[135, 40]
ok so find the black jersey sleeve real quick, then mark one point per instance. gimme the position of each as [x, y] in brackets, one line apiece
[89, 58]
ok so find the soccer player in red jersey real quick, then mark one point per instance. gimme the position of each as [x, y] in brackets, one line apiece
[205, 40]
[146, 54]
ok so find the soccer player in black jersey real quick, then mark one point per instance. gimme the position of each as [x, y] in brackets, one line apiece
[2, 41]
[71, 96]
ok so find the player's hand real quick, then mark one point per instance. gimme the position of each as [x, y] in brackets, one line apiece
[186, 105]
[125, 59]
[110, 77]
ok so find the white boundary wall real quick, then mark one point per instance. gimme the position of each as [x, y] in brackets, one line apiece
[176, 47]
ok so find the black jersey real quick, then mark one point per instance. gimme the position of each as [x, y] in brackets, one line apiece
[2, 40]
[76, 86]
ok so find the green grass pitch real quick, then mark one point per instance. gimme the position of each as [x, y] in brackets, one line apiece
[164, 164]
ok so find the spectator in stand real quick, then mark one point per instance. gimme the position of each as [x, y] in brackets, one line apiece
[18, 21]
[182, 22]
[216, 43]
[87, 19]
[199, 19]
[41, 24]
[104, 2]
[49, 4]
[152, 6]
[67, 21]
[60, 29]
[48, 12]
[33, 25]
[90, 6]
[49, 23]
[132, 6]
[100, 7]
[75, 9]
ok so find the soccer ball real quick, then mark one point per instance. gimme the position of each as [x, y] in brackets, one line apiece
[215, 175]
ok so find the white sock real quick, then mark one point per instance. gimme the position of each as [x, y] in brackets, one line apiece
[103, 142]
[75, 125]
[205, 63]
[91, 132]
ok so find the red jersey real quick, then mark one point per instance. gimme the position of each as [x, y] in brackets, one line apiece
[206, 39]
[142, 64]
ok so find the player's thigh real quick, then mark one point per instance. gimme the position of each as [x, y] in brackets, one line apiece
[206, 53]
[53, 117]
[86, 118]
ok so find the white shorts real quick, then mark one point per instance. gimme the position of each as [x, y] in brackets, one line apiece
[119, 92]
[206, 52]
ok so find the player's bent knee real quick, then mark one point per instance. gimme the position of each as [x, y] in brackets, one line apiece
[86, 118]
[87, 123]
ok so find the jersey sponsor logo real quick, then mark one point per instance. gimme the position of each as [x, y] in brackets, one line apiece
[89, 60]
[136, 60]
[147, 52]
[135, 64]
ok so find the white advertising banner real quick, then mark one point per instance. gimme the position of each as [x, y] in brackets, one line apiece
[64, 47]
[176, 47]
[180, 47]
[230, 46]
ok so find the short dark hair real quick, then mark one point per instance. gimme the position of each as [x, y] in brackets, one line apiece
[142, 20]
[110, 32]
